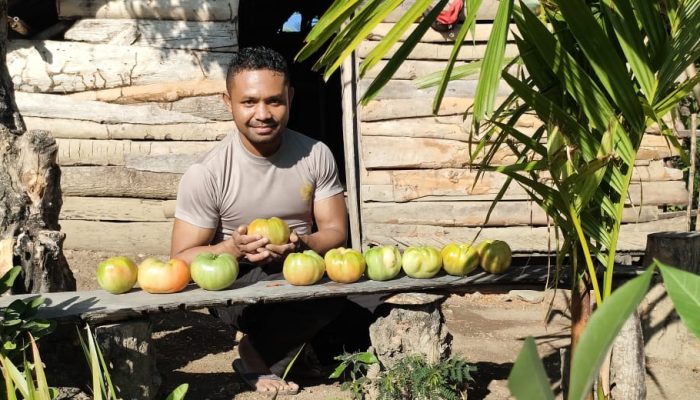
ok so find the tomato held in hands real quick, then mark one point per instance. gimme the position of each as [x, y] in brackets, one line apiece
[117, 274]
[494, 256]
[383, 262]
[156, 276]
[421, 261]
[344, 265]
[274, 229]
[302, 269]
[459, 259]
[214, 271]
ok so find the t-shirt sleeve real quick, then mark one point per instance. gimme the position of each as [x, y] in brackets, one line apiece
[327, 179]
[196, 198]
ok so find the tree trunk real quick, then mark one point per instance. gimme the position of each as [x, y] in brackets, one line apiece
[30, 195]
[580, 313]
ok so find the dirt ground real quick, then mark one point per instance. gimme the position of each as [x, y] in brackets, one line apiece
[488, 328]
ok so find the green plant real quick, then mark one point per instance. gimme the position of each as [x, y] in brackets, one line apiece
[359, 363]
[528, 379]
[412, 377]
[18, 319]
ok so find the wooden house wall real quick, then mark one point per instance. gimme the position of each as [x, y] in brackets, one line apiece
[416, 182]
[132, 96]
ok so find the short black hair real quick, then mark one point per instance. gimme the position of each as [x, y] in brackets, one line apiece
[257, 58]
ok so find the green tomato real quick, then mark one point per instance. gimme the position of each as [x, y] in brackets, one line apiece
[459, 259]
[303, 269]
[344, 265]
[117, 274]
[214, 271]
[494, 256]
[383, 262]
[421, 261]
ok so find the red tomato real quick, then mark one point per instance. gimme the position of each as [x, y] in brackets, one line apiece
[156, 276]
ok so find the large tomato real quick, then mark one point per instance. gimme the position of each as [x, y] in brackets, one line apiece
[274, 229]
[494, 256]
[421, 261]
[214, 271]
[303, 269]
[344, 265]
[383, 262]
[459, 259]
[156, 276]
[117, 274]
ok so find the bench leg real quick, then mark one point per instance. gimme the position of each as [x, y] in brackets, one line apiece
[414, 325]
[129, 352]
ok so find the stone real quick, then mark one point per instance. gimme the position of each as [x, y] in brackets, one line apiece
[529, 296]
[129, 353]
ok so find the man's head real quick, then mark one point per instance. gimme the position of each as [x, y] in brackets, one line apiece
[259, 96]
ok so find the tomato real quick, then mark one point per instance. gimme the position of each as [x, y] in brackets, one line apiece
[421, 261]
[383, 262]
[303, 269]
[214, 271]
[494, 256]
[459, 259]
[344, 265]
[117, 274]
[274, 229]
[156, 276]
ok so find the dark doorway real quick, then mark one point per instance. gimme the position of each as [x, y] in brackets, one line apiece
[282, 25]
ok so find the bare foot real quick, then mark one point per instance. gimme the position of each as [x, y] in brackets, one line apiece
[258, 375]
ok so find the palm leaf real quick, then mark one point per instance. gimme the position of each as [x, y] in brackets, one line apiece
[401, 54]
[393, 35]
[327, 26]
[648, 14]
[684, 49]
[665, 105]
[528, 379]
[485, 96]
[458, 72]
[609, 68]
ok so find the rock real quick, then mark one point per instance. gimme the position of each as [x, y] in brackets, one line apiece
[128, 351]
[529, 296]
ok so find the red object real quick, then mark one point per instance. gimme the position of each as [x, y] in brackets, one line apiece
[450, 14]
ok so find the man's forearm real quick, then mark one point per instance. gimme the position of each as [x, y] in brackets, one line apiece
[219, 248]
[324, 240]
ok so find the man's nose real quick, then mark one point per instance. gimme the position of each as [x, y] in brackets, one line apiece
[262, 112]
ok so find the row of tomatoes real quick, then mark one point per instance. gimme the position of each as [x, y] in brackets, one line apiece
[216, 272]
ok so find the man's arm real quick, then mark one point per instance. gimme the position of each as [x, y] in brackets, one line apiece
[189, 240]
[331, 218]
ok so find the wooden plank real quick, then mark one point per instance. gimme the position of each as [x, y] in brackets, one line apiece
[482, 31]
[99, 306]
[487, 11]
[77, 129]
[117, 237]
[189, 10]
[473, 213]
[400, 89]
[391, 109]
[169, 163]
[56, 106]
[209, 107]
[659, 193]
[115, 152]
[521, 239]
[155, 92]
[350, 124]
[434, 51]
[118, 182]
[116, 209]
[412, 69]
[183, 35]
[67, 67]
[381, 152]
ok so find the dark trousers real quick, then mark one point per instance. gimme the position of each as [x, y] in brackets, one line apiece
[277, 330]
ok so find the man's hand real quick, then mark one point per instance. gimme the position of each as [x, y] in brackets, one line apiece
[251, 247]
[277, 253]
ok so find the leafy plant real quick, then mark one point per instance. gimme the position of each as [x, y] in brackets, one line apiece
[528, 379]
[360, 364]
[18, 319]
[411, 378]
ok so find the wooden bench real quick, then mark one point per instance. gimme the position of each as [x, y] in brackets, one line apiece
[123, 328]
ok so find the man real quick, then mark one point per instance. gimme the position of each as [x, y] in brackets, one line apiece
[261, 171]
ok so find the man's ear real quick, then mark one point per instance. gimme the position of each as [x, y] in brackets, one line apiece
[227, 100]
[291, 94]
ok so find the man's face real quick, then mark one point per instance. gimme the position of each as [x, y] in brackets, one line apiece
[259, 101]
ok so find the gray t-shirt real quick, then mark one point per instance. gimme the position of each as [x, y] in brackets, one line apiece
[229, 187]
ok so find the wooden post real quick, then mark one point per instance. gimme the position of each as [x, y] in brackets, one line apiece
[350, 126]
[691, 173]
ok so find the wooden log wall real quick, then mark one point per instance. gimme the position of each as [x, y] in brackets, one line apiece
[133, 96]
[417, 184]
